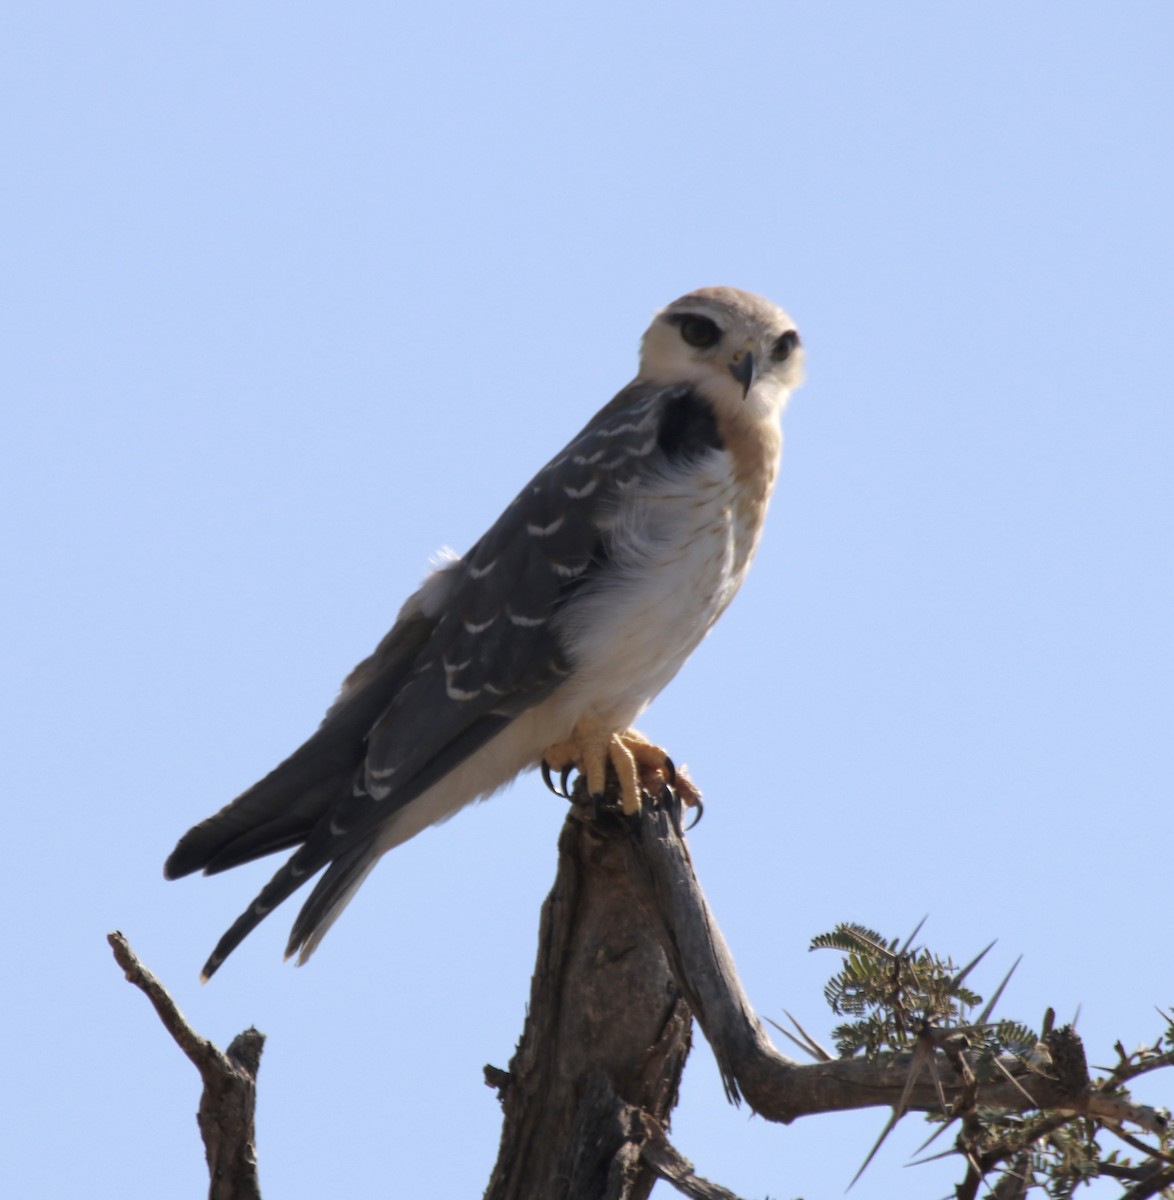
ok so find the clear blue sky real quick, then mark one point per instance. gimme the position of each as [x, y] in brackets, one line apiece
[295, 294]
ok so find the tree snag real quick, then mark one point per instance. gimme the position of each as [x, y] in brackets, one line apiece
[229, 1099]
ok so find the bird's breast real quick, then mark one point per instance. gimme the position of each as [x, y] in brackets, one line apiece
[678, 548]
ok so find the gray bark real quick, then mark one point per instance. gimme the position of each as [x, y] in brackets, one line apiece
[229, 1100]
[629, 952]
[629, 955]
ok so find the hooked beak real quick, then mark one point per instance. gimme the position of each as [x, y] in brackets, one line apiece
[743, 371]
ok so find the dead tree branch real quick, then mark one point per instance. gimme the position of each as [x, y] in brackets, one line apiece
[228, 1102]
[601, 1056]
[775, 1087]
[628, 952]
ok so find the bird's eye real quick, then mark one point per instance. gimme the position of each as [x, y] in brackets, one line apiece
[700, 331]
[783, 346]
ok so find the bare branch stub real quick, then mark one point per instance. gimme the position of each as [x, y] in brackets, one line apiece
[777, 1088]
[228, 1103]
[674, 1169]
[605, 1039]
[629, 951]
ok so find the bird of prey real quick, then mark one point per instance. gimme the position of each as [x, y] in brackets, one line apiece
[543, 643]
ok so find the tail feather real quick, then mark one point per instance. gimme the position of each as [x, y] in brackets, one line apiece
[284, 883]
[280, 810]
[287, 803]
[289, 827]
[298, 802]
[330, 896]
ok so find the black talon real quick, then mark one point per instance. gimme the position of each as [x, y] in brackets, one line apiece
[564, 775]
[700, 813]
[545, 768]
[669, 769]
[670, 800]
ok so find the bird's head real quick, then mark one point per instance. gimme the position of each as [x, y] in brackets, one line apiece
[735, 348]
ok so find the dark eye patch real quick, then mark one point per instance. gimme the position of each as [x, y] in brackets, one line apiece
[699, 332]
[783, 346]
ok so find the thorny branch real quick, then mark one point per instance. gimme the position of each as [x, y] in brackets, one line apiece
[629, 954]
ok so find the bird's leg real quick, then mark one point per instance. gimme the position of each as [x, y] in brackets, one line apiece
[657, 771]
[640, 766]
[589, 749]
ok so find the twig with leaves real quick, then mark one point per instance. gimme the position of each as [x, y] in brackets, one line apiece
[630, 954]
[905, 999]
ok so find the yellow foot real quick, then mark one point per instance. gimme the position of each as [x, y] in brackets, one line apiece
[640, 766]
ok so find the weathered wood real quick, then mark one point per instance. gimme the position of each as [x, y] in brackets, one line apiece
[606, 1037]
[229, 1100]
[666, 889]
[629, 951]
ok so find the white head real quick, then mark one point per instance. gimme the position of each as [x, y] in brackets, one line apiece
[735, 348]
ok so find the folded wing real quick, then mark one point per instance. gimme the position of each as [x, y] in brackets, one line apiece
[477, 646]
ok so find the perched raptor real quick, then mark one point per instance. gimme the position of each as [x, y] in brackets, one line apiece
[551, 635]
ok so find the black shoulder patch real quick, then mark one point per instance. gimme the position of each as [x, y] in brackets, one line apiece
[688, 428]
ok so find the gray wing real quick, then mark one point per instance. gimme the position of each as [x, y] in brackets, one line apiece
[461, 663]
